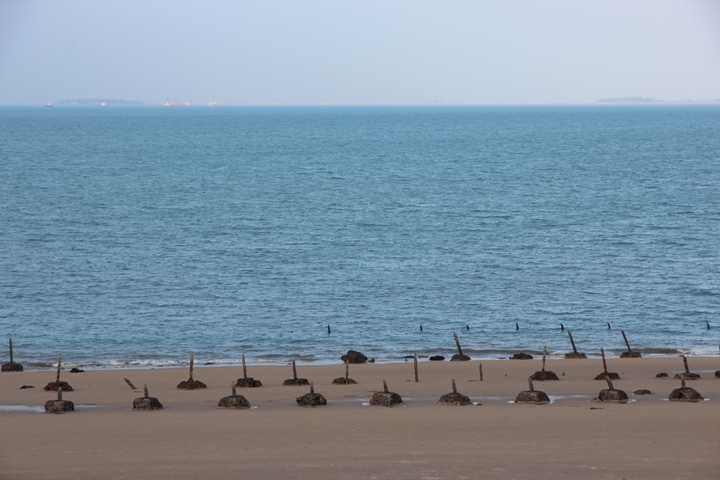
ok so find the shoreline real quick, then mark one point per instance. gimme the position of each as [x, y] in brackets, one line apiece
[199, 362]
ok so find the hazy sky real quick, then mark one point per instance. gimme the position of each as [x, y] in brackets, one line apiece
[359, 52]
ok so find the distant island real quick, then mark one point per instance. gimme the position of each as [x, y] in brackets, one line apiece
[643, 100]
[98, 102]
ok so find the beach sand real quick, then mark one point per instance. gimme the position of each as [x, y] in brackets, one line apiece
[571, 438]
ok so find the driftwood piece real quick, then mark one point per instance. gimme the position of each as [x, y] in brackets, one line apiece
[311, 399]
[685, 394]
[190, 383]
[459, 356]
[12, 365]
[574, 354]
[52, 386]
[688, 375]
[346, 380]
[130, 384]
[295, 381]
[385, 398]
[544, 375]
[605, 373]
[611, 394]
[642, 391]
[146, 402]
[234, 401]
[245, 381]
[629, 353]
[532, 396]
[416, 367]
[455, 398]
[59, 405]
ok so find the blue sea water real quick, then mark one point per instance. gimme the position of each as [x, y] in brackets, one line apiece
[132, 236]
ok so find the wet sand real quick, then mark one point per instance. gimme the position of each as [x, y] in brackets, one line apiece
[573, 437]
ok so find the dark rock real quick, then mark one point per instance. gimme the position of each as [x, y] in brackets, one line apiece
[26, 386]
[574, 355]
[717, 373]
[248, 382]
[147, 403]
[296, 381]
[631, 355]
[344, 381]
[437, 358]
[613, 395]
[354, 357]
[191, 385]
[234, 401]
[459, 358]
[311, 399]
[455, 398]
[53, 386]
[661, 375]
[544, 375]
[685, 394]
[77, 370]
[535, 397]
[59, 406]
[612, 375]
[11, 367]
[642, 392]
[521, 356]
[385, 398]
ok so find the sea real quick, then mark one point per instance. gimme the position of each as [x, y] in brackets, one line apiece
[132, 236]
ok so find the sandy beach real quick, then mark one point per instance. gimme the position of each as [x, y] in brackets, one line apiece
[572, 437]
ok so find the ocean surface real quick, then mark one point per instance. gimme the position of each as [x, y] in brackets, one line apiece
[132, 236]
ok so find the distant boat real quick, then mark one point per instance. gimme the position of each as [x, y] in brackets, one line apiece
[213, 104]
[48, 104]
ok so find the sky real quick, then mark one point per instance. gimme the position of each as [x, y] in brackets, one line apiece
[294, 52]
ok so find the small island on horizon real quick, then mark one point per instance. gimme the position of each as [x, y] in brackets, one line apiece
[98, 102]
